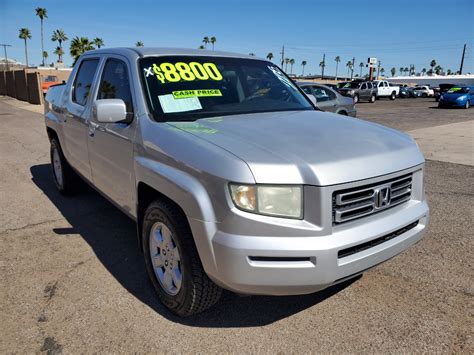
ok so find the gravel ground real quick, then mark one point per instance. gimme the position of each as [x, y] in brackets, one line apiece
[74, 281]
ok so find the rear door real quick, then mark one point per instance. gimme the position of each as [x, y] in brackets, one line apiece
[111, 144]
[364, 91]
[325, 98]
[76, 120]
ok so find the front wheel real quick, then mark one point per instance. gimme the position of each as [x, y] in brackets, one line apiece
[173, 263]
[372, 99]
[467, 105]
[356, 98]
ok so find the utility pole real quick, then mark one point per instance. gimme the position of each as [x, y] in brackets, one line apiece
[462, 59]
[6, 58]
[378, 68]
[324, 64]
[282, 56]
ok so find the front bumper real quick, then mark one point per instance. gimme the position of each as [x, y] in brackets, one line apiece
[253, 254]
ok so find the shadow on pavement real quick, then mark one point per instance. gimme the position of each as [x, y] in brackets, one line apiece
[112, 236]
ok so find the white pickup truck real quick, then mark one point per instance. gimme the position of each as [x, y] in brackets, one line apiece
[384, 89]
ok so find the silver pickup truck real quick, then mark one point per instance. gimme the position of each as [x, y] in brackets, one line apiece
[234, 178]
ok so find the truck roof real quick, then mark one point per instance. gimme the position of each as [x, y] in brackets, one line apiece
[163, 51]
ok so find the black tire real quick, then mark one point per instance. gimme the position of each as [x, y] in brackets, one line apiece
[372, 98]
[393, 96]
[67, 183]
[467, 105]
[197, 292]
[356, 98]
[425, 95]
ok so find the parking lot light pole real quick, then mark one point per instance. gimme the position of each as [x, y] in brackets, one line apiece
[6, 57]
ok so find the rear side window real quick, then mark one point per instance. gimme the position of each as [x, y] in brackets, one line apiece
[307, 90]
[115, 83]
[83, 81]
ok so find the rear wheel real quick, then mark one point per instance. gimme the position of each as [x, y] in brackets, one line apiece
[372, 98]
[173, 263]
[393, 96]
[425, 95]
[65, 179]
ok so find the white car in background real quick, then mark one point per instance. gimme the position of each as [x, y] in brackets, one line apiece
[423, 91]
[385, 90]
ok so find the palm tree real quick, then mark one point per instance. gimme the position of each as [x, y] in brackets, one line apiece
[349, 67]
[449, 72]
[361, 65]
[205, 40]
[270, 56]
[25, 34]
[79, 45]
[401, 70]
[337, 60]
[213, 40]
[287, 60]
[201, 47]
[303, 64]
[42, 13]
[59, 36]
[382, 70]
[139, 44]
[406, 70]
[59, 52]
[423, 71]
[438, 69]
[45, 55]
[98, 42]
[292, 61]
[393, 71]
[322, 65]
[432, 64]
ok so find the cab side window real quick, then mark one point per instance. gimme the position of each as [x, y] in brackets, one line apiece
[115, 83]
[83, 81]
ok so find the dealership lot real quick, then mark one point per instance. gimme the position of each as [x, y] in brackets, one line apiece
[73, 278]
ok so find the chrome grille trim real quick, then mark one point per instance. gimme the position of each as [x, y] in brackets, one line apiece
[357, 202]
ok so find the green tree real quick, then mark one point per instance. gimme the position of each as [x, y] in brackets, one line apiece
[292, 61]
[287, 60]
[213, 40]
[303, 64]
[423, 71]
[45, 56]
[349, 67]
[337, 60]
[406, 70]
[432, 65]
[393, 71]
[59, 36]
[449, 72]
[270, 56]
[205, 40]
[79, 45]
[98, 42]
[201, 47]
[25, 35]
[139, 44]
[401, 70]
[438, 69]
[42, 13]
[59, 52]
[361, 65]
[382, 70]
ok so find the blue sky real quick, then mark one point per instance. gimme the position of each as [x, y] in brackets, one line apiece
[399, 33]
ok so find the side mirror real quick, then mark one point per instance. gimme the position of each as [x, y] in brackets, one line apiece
[110, 110]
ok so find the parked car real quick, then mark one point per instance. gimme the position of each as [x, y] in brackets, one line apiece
[341, 84]
[359, 90]
[327, 99]
[442, 89]
[457, 96]
[423, 91]
[233, 177]
[47, 82]
[406, 92]
[385, 89]
[332, 86]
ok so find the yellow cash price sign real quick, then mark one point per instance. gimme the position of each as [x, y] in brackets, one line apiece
[181, 71]
[183, 94]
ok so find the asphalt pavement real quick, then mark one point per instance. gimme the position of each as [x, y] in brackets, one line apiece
[73, 280]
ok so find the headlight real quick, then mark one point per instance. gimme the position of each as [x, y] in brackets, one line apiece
[277, 201]
[351, 92]
[461, 98]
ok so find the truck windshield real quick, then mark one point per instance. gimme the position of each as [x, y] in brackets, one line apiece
[353, 85]
[184, 88]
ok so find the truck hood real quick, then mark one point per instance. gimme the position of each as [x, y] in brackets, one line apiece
[308, 147]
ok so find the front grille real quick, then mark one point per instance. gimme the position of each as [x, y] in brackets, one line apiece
[370, 244]
[361, 201]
